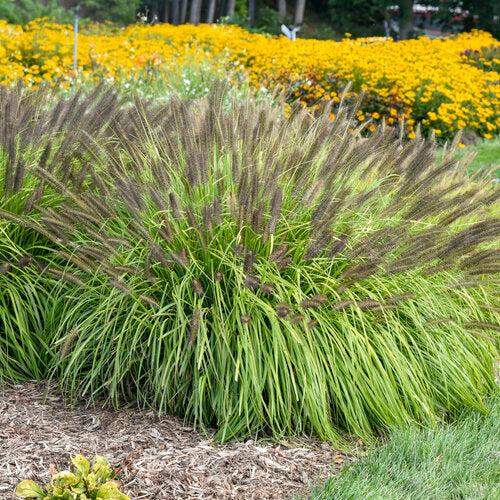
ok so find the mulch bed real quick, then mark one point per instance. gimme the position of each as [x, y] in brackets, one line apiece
[161, 457]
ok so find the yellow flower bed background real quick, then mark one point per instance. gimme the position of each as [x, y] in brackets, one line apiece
[421, 81]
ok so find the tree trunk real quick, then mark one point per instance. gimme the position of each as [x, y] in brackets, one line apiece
[231, 5]
[251, 12]
[405, 19]
[166, 11]
[183, 13]
[175, 12]
[200, 5]
[298, 17]
[194, 14]
[211, 11]
[281, 10]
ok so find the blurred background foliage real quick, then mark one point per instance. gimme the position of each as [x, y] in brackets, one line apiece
[317, 18]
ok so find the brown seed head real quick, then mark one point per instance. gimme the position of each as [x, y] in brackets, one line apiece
[24, 261]
[252, 282]
[267, 288]
[245, 319]
[283, 310]
[5, 268]
[197, 287]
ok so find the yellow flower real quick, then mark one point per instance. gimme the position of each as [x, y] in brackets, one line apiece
[400, 77]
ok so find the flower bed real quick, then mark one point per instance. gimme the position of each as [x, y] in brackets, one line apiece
[424, 81]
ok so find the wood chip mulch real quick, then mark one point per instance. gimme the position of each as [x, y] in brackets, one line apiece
[161, 457]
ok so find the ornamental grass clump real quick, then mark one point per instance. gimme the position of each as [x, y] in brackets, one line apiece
[273, 276]
[38, 128]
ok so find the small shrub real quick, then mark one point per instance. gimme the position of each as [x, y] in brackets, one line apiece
[85, 481]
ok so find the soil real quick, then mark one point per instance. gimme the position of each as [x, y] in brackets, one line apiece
[159, 457]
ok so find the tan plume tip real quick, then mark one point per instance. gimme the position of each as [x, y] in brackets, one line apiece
[283, 310]
[197, 287]
[5, 268]
[157, 254]
[280, 258]
[319, 299]
[395, 299]
[194, 325]
[483, 325]
[40, 267]
[174, 205]
[251, 282]
[372, 304]
[149, 300]
[296, 318]
[439, 321]
[245, 319]
[278, 253]
[343, 304]
[239, 249]
[267, 288]
[67, 276]
[314, 302]
[249, 261]
[180, 258]
[24, 261]
[68, 342]
[312, 323]
[119, 285]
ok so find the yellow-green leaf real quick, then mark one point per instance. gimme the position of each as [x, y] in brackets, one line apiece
[64, 479]
[110, 491]
[102, 469]
[81, 464]
[29, 489]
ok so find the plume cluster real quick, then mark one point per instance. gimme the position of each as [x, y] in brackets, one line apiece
[259, 273]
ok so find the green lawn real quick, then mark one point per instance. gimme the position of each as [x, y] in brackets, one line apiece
[458, 461]
[488, 155]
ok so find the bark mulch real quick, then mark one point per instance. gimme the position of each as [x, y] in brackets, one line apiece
[161, 457]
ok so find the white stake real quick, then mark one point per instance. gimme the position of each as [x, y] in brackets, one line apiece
[75, 48]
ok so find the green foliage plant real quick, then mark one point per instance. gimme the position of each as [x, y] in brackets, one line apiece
[85, 481]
